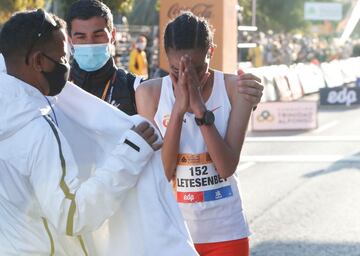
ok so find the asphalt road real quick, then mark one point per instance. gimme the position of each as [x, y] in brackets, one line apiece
[301, 190]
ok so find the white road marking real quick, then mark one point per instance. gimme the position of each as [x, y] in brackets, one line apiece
[345, 138]
[325, 127]
[300, 158]
[244, 166]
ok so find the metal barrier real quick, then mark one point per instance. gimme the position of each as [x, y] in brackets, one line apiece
[287, 83]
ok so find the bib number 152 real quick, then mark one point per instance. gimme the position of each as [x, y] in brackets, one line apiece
[199, 170]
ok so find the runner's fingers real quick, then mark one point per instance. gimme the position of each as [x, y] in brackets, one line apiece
[173, 79]
[183, 81]
[140, 128]
[194, 80]
[152, 139]
[250, 91]
[181, 67]
[253, 100]
[187, 60]
[188, 65]
[249, 76]
[189, 75]
[186, 75]
[250, 83]
[157, 146]
[205, 78]
[240, 72]
[148, 132]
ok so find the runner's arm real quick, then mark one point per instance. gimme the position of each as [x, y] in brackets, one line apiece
[171, 140]
[147, 98]
[226, 152]
[171, 144]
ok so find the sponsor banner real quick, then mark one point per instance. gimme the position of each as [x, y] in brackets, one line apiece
[299, 115]
[322, 11]
[222, 16]
[340, 96]
[205, 196]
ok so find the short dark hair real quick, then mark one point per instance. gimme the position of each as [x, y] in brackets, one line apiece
[188, 31]
[86, 9]
[18, 35]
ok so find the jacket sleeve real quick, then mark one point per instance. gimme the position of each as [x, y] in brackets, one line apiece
[74, 208]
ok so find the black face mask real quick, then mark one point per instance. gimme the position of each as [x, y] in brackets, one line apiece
[58, 77]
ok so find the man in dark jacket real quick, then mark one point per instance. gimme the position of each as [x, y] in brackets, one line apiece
[91, 29]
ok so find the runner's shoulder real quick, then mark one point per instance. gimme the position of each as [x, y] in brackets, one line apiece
[150, 88]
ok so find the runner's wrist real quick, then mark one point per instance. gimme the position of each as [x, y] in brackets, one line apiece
[178, 111]
[199, 111]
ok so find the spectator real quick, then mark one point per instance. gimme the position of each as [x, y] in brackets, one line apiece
[138, 63]
[91, 29]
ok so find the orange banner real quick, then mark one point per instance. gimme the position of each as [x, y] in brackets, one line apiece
[221, 15]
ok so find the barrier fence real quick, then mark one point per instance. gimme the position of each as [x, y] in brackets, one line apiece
[289, 83]
[282, 107]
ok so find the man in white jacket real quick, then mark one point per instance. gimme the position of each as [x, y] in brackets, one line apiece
[44, 208]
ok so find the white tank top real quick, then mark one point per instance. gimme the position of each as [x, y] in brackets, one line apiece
[211, 206]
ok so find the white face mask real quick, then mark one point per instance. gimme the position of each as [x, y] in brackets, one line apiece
[141, 46]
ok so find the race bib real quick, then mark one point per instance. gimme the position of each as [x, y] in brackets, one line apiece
[198, 181]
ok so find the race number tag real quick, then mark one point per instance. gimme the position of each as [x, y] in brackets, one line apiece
[198, 181]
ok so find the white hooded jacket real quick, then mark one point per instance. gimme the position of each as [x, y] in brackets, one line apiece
[41, 197]
[149, 222]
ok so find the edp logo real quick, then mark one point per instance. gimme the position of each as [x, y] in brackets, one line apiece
[189, 197]
[344, 96]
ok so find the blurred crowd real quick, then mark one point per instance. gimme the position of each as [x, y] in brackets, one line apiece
[271, 48]
[142, 61]
[276, 49]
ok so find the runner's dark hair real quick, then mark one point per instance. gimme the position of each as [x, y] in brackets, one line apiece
[188, 31]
